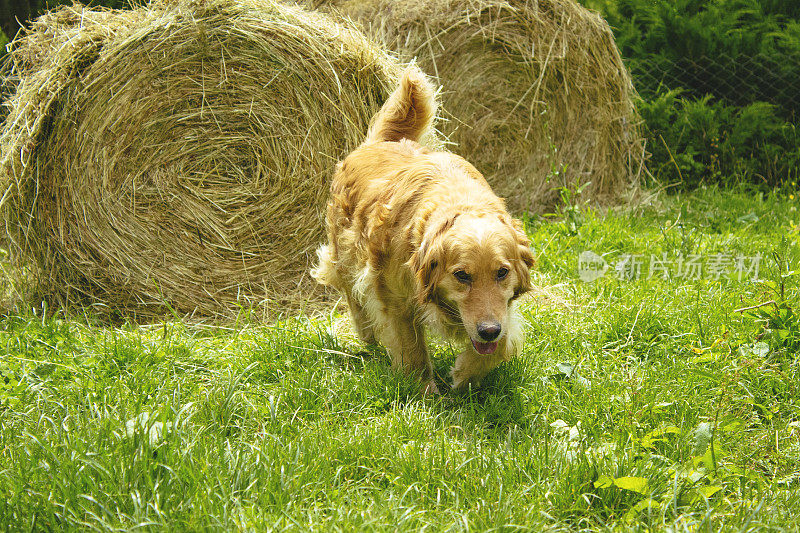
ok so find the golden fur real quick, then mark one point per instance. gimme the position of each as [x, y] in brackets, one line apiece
[416, 238]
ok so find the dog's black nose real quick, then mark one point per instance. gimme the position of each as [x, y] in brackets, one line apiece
[489, 331]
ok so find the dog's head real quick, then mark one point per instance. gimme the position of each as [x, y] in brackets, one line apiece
[471, 268]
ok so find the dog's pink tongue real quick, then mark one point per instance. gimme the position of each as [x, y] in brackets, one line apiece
[485, 348]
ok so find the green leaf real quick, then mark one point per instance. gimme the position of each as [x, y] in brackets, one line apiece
[662, 407]
[708, 459]
[733, 427]
[695, 475]
[760, 349]
[647, 503]
[604, 482]
[635, 484]
[705, 358]
[709, 490]
[565, 370]
[649, 440]
[702, 438]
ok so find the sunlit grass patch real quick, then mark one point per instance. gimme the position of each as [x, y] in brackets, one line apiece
[637, 403]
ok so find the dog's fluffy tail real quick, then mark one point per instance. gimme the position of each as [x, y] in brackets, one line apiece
[409, 111]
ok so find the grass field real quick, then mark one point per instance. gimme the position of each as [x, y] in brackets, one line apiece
[644, 403]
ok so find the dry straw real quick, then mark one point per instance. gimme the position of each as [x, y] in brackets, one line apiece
[176, 157]
[536, 92]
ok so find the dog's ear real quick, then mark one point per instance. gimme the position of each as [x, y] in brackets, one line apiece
[427, 262]
[427, 266]
[524, 261]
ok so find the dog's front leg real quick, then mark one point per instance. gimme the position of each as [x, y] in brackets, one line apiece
[404, 340]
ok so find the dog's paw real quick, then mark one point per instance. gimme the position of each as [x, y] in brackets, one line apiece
[458, 381]
[462, 381]
[430, 389]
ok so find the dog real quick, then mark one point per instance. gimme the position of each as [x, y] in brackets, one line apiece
[417, 238]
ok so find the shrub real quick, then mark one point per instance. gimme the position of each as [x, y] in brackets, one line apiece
[702, 140]
[719, 85]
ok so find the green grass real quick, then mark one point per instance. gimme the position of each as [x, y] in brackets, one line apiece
[642, 404]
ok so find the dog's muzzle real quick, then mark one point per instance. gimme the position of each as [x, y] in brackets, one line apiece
[488, 332]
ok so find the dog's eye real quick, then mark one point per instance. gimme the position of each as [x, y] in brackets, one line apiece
[462, 276]
[502, 273]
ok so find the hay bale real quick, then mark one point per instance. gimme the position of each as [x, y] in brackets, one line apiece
[535, 90]
[176, 157]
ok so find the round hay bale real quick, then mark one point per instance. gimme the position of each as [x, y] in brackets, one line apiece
[535, 90]
[176, 158]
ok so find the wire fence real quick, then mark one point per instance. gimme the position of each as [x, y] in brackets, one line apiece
[737, 80]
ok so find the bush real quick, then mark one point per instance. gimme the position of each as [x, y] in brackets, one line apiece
[719, 85]
[702, 140]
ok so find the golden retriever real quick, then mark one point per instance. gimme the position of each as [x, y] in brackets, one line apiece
[416, 237]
